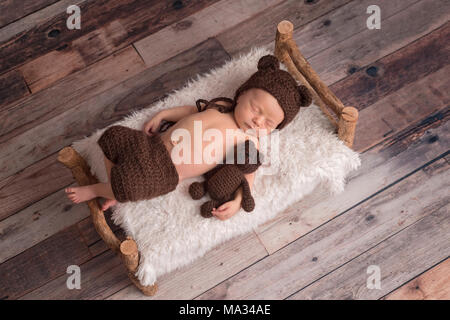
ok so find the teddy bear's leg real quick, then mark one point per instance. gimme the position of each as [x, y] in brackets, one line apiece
[207, 207]
[197, 190]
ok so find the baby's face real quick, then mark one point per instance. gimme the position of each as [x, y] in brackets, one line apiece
[258, 109]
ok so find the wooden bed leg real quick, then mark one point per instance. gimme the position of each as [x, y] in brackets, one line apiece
[347, 125]
[130, 256]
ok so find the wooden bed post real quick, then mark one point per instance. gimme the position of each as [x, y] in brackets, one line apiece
[128, 249]
[287, 51]
[130, 256]
[347, 125]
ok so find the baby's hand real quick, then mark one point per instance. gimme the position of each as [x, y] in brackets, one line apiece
[226, 210]
[152, 126]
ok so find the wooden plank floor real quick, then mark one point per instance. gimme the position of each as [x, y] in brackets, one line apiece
[65, 84]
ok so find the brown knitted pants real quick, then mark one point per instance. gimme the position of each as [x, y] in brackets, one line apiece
[143, 167]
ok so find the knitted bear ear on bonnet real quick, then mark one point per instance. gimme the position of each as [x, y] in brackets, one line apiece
[280, 84]
[271, 63]
[268, 62]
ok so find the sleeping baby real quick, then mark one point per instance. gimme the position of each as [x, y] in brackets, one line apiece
[148, 163]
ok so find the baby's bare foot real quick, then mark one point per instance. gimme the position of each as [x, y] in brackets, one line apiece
[80, 194]
[108, 203]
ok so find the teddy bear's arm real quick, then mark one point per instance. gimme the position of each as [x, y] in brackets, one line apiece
[250, 178]
[248, 203]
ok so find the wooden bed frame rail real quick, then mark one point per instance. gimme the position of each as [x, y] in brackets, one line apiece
[286, 50]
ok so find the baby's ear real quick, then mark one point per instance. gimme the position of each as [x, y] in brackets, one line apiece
[305, 96]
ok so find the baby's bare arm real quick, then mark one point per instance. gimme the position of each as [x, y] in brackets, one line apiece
[173, 114]
[177, 113]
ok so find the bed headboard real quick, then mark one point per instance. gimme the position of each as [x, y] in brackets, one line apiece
[343, 118]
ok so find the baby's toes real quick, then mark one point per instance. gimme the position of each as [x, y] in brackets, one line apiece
[72, 197]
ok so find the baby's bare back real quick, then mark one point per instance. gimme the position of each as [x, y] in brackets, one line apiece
[202, 146]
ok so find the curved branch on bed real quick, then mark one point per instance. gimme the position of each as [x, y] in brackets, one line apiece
[128, 249]
[287, 51]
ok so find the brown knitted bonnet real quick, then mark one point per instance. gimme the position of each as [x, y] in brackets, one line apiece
[281, 85]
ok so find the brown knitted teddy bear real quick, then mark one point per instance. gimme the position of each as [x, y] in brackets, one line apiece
[223, 181]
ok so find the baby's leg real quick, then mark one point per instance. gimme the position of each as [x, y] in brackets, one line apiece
[85, 193]
[109, 202]
[108, 164]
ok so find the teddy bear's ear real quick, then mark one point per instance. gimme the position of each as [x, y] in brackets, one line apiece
[269, 62]
[305, 96]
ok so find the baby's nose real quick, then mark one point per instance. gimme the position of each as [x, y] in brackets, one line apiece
[258, 123]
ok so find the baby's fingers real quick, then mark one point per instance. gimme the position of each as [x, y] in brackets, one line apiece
[223, 207]
[149, 128]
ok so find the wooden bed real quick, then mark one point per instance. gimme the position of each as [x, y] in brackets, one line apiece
[286, 50]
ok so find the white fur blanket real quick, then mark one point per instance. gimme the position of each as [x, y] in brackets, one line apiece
[169, 230]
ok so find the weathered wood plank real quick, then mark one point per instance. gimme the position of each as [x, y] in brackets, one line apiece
[105, 276]
[32, 184]
[421, 194]
[34, 21]
[40, 264]
[441, 69]
[380, 167]
[318, 24]
[88, 231]
[84, 50]
[46, 104]
[136, 92]
[336, 62]
[138, 17]
[402, 68]
[38, 222]
[58, 99]
[100, 277]
[400, 109]
[434, 284]
[93, 239]
[46, 176]
[11, 10]
[216, 265]
[399, 258]
[43, 71]
[100, 246]
[40, 73]
[12, 87]
[198, 27]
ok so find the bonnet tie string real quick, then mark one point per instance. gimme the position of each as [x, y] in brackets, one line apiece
[211, 103]
[206, 104]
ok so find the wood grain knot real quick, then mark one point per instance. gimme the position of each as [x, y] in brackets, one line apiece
[54, 33]
[372, 71]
